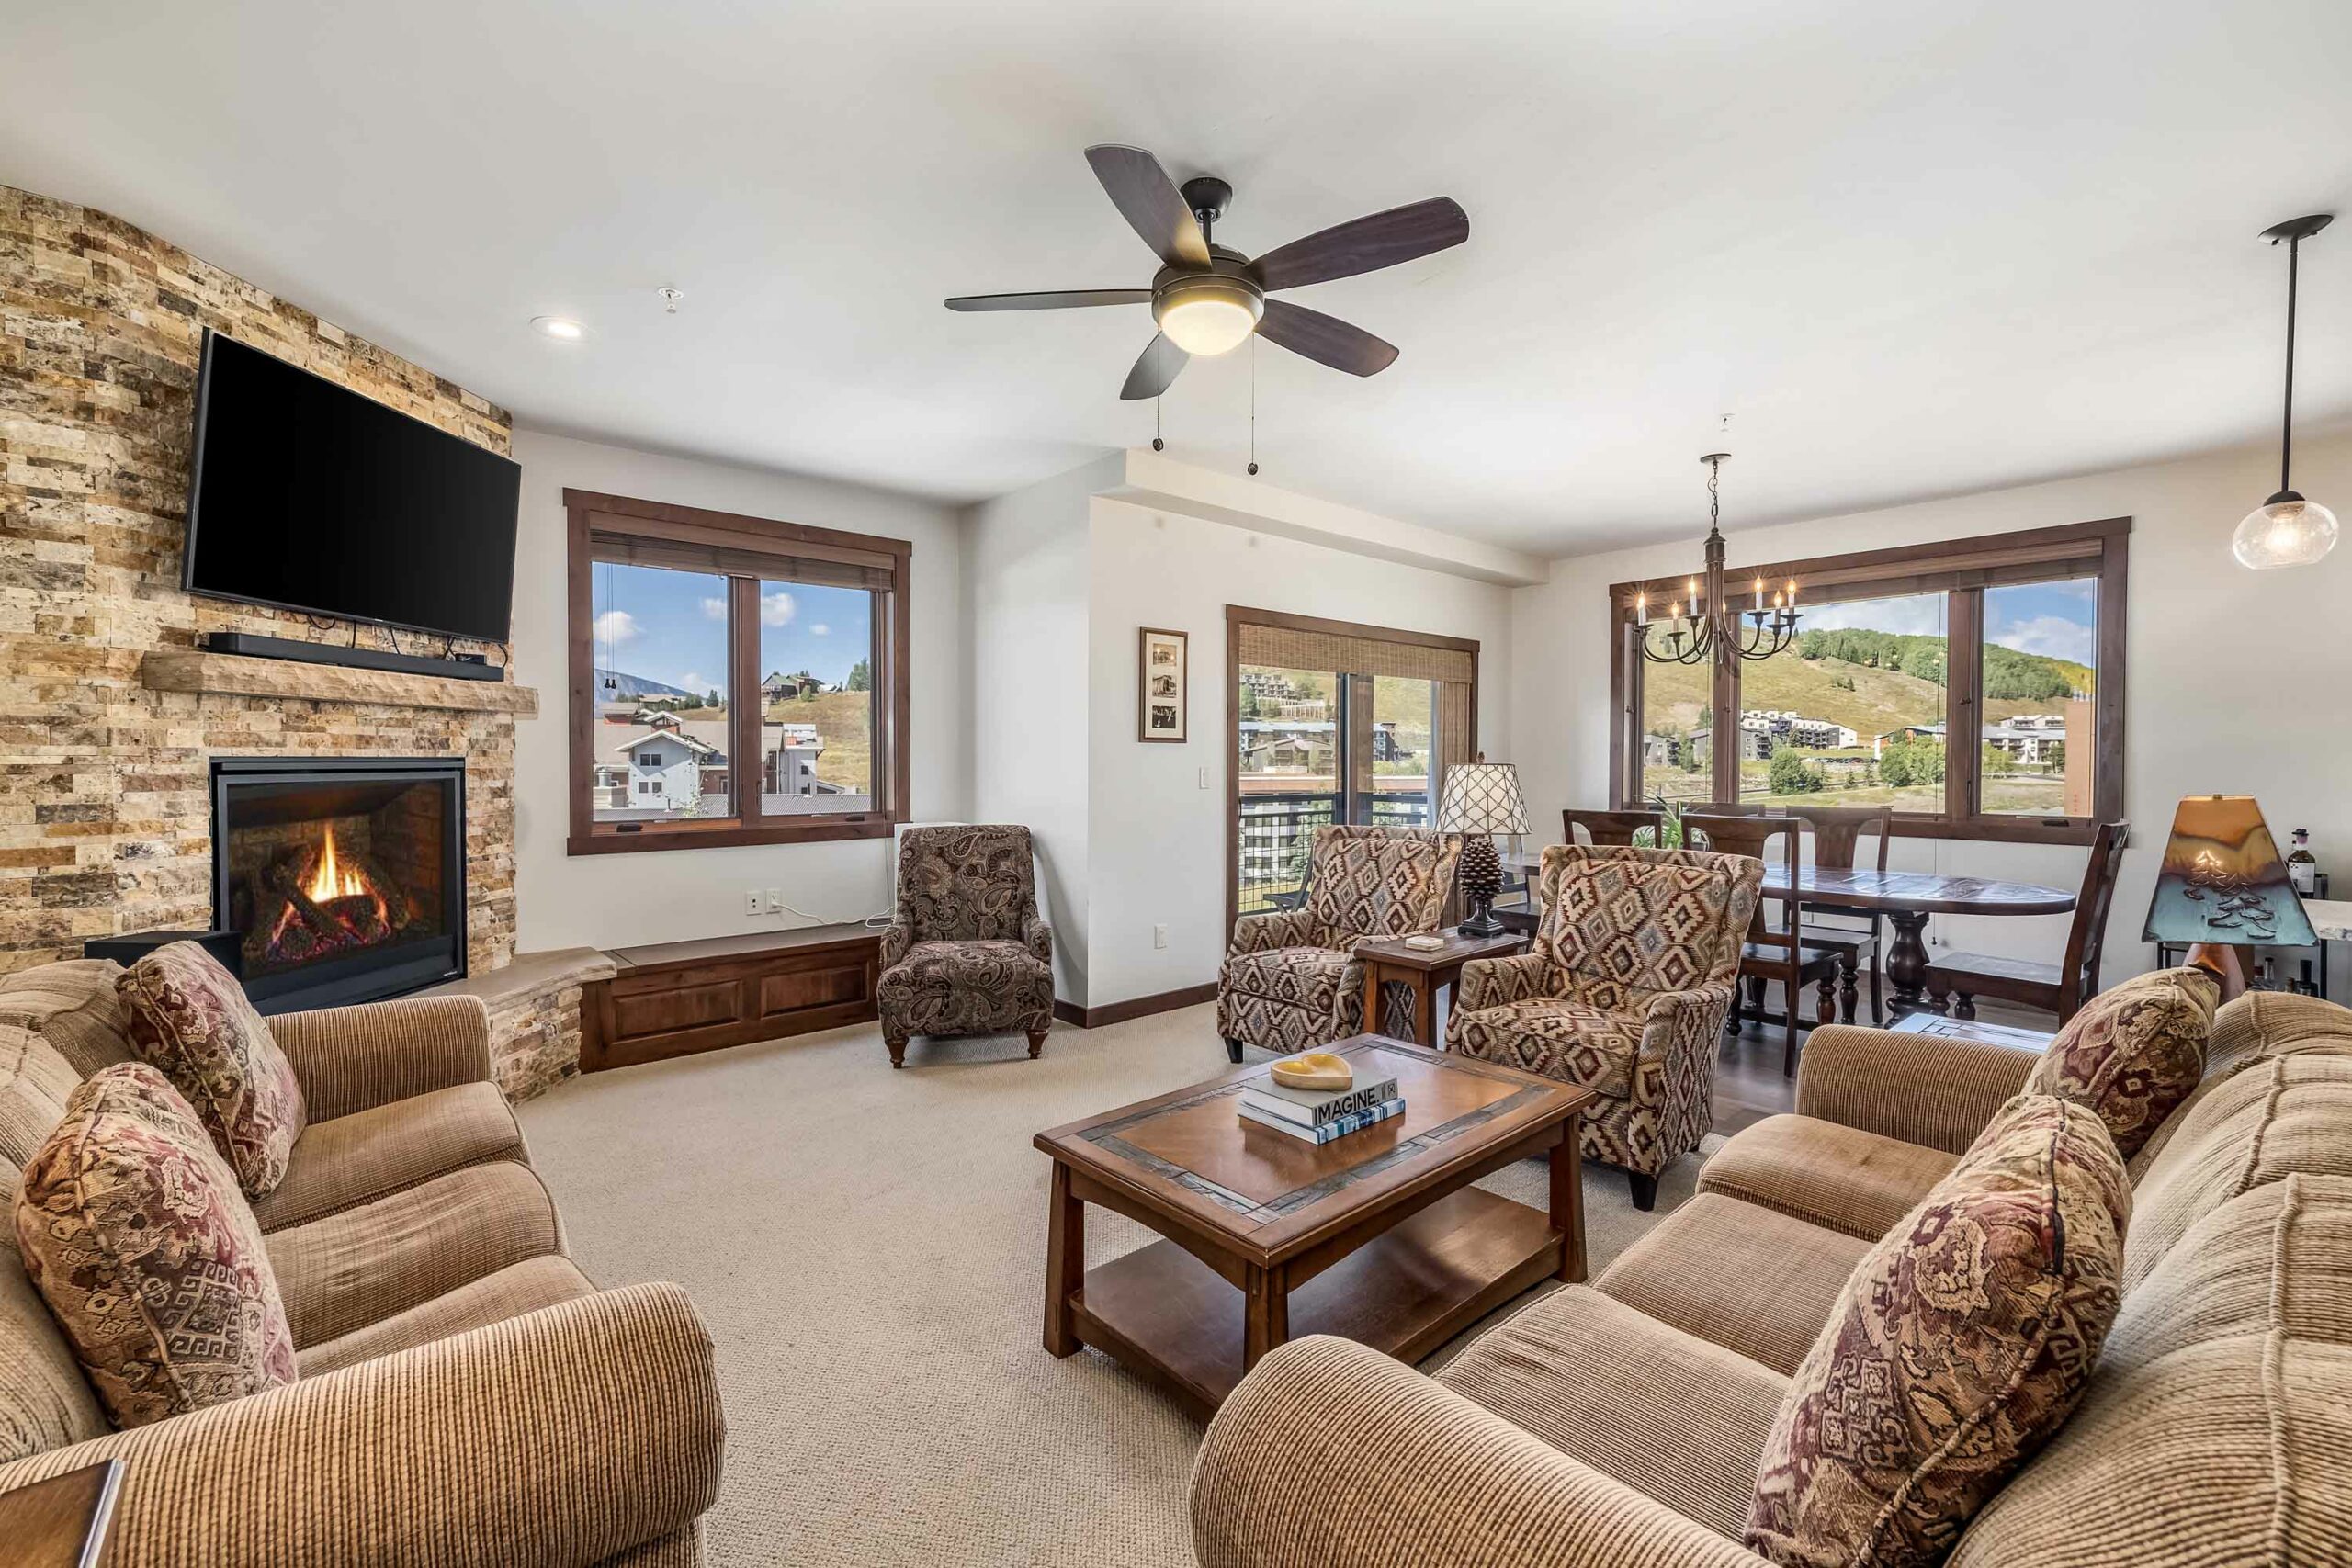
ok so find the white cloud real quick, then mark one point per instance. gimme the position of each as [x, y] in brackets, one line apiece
[776, 609]
[1921, 615]
[615, 627]
[693, 682]
[714, 609]
[821, 629]
[2053, 636]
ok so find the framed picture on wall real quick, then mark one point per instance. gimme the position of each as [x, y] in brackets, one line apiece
[1163, 678]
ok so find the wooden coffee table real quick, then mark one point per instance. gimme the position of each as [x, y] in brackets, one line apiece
[1377, 1236]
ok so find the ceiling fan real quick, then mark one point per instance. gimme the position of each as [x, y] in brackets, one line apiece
[1209, 298]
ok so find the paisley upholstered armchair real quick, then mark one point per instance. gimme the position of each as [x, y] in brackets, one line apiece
[1625, 990]
[1290, 981]
[967, 953]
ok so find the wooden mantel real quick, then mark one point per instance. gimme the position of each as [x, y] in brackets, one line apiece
[188, 670]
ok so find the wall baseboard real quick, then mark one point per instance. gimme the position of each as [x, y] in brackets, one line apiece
[1133, 1007]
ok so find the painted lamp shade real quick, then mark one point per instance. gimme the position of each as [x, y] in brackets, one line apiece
[2223, 880]
[1482, 797]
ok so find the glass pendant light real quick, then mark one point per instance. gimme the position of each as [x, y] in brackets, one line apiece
[2287, 530]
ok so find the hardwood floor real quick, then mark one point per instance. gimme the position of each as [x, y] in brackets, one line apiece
[1748, 1085]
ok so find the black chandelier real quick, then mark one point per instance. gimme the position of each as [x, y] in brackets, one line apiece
[1705, 626]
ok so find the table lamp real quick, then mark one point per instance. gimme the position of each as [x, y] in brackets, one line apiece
[1481, 799]
[2222, 885]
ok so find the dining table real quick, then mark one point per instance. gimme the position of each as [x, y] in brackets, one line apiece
[1907, 899]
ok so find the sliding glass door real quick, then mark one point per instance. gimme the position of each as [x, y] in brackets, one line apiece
[1319, 747]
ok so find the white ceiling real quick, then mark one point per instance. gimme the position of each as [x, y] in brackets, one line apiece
[1915, 246]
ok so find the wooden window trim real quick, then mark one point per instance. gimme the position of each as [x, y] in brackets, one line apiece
[747, 540]
[1239, 615]
[1960, 570]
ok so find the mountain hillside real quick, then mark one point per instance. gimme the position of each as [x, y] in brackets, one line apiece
[625, 687]
[1888, 682]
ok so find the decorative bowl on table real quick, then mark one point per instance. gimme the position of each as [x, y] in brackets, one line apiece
[1315, 1069]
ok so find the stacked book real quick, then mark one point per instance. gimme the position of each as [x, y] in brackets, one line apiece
[1319, 1115]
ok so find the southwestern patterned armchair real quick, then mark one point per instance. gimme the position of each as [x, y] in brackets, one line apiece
[1290, 981]
[1629, 983]
[967, 953]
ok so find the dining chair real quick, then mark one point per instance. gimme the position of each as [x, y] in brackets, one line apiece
[2060, 988]
[1836, 830]
[1605, 828]
[1776, 950]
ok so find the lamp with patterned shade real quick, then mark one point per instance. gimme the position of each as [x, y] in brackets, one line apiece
[2223, 886]
[1481, 799]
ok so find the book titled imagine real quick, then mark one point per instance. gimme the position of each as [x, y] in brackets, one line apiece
[1327, 1132]
[1313, 1107]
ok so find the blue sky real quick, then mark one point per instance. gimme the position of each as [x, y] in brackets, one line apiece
[2059, 620]
[671, 627]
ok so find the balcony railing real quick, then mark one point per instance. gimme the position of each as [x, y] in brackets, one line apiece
[1277, 831]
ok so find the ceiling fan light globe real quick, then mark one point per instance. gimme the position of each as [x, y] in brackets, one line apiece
[2285, 531]
[1207, 315]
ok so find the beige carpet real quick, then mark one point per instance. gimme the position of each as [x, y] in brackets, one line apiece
[869, 1248]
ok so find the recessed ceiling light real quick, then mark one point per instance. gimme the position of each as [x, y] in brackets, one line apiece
[563, 327]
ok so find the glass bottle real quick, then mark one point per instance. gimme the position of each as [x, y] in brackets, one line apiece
[2302, 869]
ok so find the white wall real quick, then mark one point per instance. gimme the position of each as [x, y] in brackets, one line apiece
[2237, 680]
[1024, 688]
[617, 900]
[1158, 836]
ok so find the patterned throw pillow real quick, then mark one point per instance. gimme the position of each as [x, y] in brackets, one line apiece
[1963, 1340]
[2133, 1053]
[148, 1256]
[189, 1018]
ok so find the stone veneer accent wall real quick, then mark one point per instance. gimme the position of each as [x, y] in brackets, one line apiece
[103, 783]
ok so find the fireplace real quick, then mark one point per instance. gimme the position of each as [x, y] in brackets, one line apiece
[344, 879]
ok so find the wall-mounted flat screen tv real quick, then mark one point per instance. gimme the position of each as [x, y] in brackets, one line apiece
[308, 496]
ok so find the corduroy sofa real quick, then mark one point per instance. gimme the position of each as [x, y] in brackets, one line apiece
[465, 1394]
[1619, 1424]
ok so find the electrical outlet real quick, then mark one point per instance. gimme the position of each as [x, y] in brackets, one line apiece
[776, 901]
[751, 902]
[1160, 936]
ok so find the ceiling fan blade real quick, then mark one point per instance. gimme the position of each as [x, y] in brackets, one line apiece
[1150, 203]
[1365, 244]
[1327, 340]
[1157, 367]
[1051, 300]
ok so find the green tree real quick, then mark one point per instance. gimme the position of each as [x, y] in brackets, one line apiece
[1924, 662]
[1789, 775]
[711, 701]
[861, 678]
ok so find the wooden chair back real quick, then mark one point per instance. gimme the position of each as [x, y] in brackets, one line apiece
[1617, 827]
[2078, 972]
[1836, 830]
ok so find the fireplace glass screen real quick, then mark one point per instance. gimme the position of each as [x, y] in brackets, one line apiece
[345, 882]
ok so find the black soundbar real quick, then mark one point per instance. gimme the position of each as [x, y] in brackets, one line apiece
[246, 645]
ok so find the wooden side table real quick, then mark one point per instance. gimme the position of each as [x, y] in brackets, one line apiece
[1388, 958]
[61, 1522]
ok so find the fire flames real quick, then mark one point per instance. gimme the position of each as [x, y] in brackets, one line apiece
[333, 879]
[321, 902]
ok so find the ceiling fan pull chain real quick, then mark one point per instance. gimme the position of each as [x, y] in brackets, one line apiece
[1157, 444]
[1253, 405]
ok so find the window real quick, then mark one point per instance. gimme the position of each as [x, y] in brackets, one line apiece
[1333, 723]
[734, 680]
[2013, 640]
[2041, 663]
[1852, 711]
